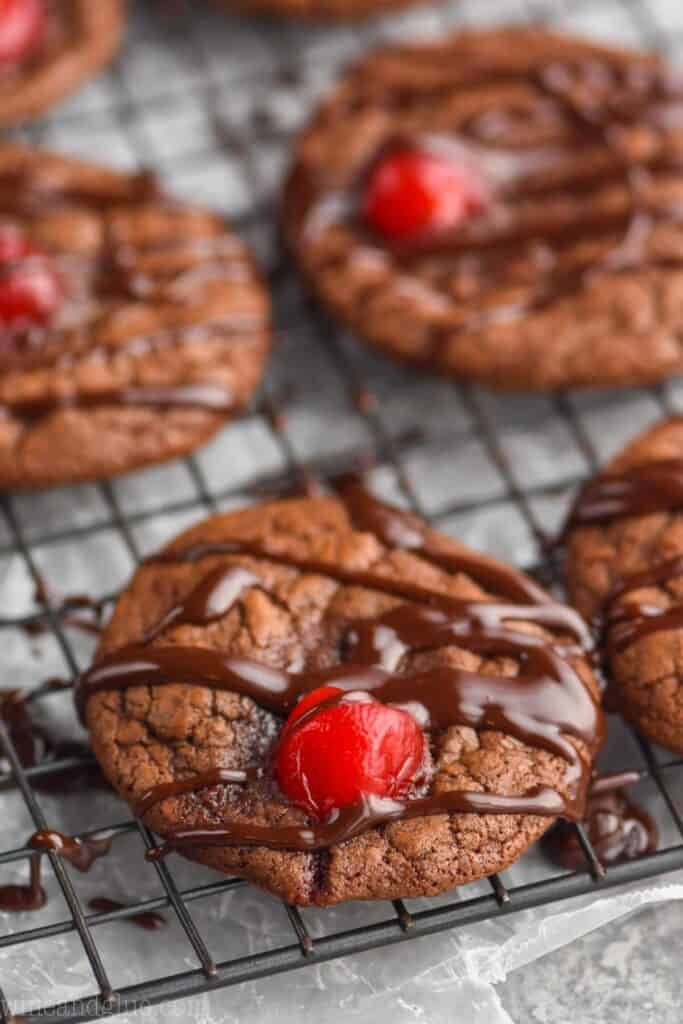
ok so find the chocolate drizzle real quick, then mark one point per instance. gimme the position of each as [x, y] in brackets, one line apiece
[648, 488]
[611, 114]
[545, 705]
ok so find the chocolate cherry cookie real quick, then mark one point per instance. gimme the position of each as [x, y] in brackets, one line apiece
[132, 325]
[625, 570]
[501, 205]
[329, 698]
[48, 47]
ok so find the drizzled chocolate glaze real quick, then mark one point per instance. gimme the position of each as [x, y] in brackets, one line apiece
[210, 397]
[546, 705]
[600, 99]
[644, 489]
[647, 488]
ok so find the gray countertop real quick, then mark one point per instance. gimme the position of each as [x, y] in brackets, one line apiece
[628, 971]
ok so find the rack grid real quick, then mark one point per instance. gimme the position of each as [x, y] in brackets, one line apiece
[210, 103]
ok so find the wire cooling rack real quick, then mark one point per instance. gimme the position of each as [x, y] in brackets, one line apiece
[210, 102]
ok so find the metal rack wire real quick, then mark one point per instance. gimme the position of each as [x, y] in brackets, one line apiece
[192, 39]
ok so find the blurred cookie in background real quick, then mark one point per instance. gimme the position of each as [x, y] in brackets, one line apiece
[48, 47]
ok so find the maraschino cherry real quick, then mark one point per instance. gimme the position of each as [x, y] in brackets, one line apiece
[346, 750]
[29, 288]
[410, 193]
[22, 24]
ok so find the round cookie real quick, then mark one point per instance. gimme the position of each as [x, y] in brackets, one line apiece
[624, 568]
[499, 205]
[215, 637]
[133, 325]
[71, 40]
[322, 9]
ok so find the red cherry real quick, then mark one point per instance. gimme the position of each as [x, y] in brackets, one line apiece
[29, 288]
[410, 193]
[346, 750]
[22, 23]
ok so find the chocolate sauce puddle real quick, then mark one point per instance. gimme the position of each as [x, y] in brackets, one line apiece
[545, 705]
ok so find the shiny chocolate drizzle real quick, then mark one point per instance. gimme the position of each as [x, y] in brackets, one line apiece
[600, 102]
[646, 488]
[546, 705]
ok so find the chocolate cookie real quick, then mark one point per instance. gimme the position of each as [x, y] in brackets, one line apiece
[501, 205]
[133, 325]
[319, 8]
[625, 570]
[447, 712]
[48, 47]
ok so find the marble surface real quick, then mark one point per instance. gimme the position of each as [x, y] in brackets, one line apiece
[627, 972]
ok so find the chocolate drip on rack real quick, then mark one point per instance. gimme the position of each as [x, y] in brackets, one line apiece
[546, 705]
[81, 854]
[148, 920]
[618, 828]
[38, 743]
[15, 898]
